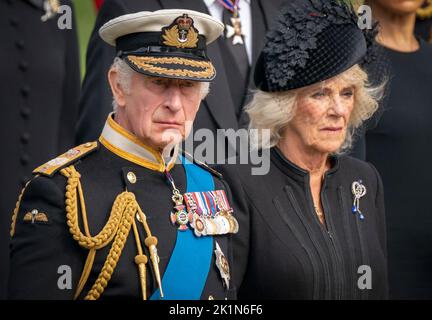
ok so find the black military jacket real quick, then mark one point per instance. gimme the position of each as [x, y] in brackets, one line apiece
[42, 243]
[39, 94]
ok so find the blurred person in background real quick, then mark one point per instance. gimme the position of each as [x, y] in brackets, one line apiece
[39, 95]
[397, 142]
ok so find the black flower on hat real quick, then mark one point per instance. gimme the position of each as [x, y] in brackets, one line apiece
[312, 40]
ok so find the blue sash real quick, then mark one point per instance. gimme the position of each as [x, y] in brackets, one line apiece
[189, 265]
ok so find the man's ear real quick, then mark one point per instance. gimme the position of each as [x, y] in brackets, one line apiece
[116, 89]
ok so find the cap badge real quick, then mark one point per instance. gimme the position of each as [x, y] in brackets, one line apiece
[181, 33]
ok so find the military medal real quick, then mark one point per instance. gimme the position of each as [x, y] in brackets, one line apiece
[199, 225]
[180, 216]
[358, 190]
[233, 224]
[234, 31]
[51, 8]
[225, 210]
[211, 213]
[222, 265]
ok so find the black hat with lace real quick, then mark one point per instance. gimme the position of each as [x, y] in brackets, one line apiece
[311, 41]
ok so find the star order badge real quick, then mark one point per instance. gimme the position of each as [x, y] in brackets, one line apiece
[180, 215]
[234, 30]
[222, 265]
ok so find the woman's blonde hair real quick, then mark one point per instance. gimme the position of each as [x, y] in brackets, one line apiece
[274, 110]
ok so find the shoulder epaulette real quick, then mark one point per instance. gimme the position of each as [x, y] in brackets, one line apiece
[202, 164]
[72, 155]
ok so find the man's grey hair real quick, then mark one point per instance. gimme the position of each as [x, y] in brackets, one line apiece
[125, 74]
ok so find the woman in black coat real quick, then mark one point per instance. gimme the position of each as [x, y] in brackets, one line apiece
[313, 225]
[398, 143]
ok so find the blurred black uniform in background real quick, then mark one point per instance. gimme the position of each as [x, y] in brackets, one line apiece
[39, 93]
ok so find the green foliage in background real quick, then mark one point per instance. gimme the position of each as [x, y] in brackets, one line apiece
[85, 15]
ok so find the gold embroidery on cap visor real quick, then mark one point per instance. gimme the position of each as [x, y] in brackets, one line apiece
[203, 70]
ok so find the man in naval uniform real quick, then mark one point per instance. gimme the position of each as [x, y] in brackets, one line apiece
[129, 215]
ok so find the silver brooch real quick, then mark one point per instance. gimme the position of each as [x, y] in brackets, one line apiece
[358, 190]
